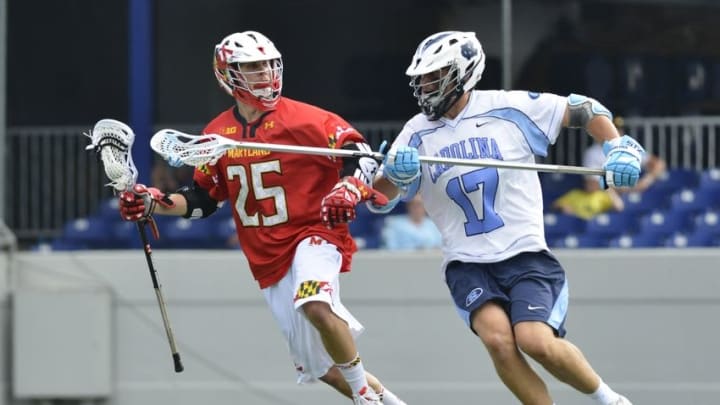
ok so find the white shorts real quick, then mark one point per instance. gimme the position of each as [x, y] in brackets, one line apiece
[313, 276]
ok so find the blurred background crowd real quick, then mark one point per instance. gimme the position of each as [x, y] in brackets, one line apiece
[655, 64]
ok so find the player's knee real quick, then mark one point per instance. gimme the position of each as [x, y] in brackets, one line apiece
[537, 346]
[500, 344]
[319, 314]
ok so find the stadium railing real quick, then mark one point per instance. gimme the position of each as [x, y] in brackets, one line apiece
[52, 179]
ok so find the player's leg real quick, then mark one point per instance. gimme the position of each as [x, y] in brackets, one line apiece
[539, 296]
[493, 327]
[335, 379]
[312, 361]
[478, 301]
[317, 295]
[561, 358]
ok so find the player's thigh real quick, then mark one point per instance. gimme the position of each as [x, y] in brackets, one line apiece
[471, 287]
[316, 270]
[539, 291]
[491, 323]
[313, 277]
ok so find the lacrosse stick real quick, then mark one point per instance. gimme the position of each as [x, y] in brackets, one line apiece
[113, 141]
[196, 150]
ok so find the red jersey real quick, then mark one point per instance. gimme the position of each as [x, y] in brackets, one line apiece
[276, 196]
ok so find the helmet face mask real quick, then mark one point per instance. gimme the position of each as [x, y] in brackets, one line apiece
[262, 80]
[249, 67]
[444, 67]
[436, 91]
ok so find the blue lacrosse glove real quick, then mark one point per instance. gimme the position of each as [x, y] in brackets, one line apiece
[622, 166]
[402, 165]
[174, 162]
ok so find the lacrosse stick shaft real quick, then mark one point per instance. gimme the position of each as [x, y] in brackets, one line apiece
[311, 150]
[158, 294]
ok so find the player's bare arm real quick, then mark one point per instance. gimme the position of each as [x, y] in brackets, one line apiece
[386, 187]
[188, 202]
[354, 187]
[623, 153]
[590, 114]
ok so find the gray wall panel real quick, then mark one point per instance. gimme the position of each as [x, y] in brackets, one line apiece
[645, 319]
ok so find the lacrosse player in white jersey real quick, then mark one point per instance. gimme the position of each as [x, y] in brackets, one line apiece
[506, 285]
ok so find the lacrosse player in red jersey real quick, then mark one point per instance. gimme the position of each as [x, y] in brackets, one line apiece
[295, 254]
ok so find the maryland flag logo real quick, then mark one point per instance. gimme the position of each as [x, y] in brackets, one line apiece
[204, 169]
[332, 140]
[364, 192]
[310, 288]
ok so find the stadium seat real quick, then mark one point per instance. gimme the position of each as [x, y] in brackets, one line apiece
[609, 225]
[109, 209]
[225, 211]
[58, 244]
[556, 184]
[224, 229]
[640, 240]
[707, 223]
[189, 234]
[682, 240]
[710, 183]
[560, 225]
[89, 233]
[689, 201]
[401, 208]
[126, 236]
[701, 239]
[675, 180]
[579, 241]
[640, 203]
[663, 223]
[366, 229]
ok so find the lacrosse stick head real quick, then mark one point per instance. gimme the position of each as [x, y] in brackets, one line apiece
[113, 141]
[193, 150]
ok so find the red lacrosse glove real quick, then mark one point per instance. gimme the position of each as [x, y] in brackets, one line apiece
[140, 203]
[339, 206]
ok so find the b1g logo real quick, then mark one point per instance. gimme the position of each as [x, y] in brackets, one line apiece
[228, 130]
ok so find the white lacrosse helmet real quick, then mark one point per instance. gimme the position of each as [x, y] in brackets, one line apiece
[259, 88]
[460, 61]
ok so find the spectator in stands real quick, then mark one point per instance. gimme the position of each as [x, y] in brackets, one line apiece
[413, 231]
[652, 166]
[592, 201]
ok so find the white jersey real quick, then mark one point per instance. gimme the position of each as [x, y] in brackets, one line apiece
[487, 214]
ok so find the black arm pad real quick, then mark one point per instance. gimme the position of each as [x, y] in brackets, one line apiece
[363, 168]
[199, 202]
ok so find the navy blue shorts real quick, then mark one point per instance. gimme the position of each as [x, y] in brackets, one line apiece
[530, 286]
